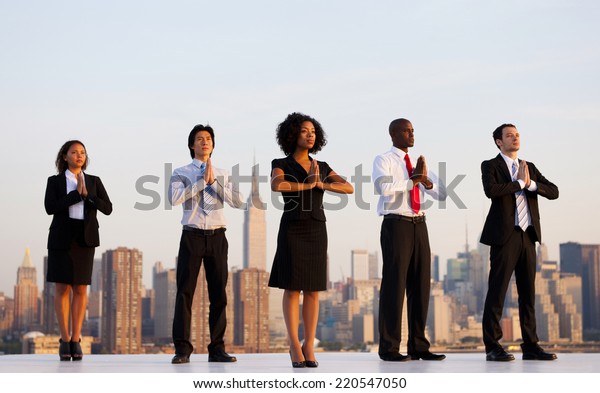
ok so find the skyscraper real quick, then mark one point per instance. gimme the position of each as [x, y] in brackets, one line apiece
[165, 286]
[373, 266]
[360, 265]
[255, 228]
[584, 261]
[26, 296]
[6, 314]
[122, 301]
[251, 309]
[49, 324]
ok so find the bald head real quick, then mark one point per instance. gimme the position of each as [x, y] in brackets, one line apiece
[402, 133]
[398, 124]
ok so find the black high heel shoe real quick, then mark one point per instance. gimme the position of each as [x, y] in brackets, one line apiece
[64, 351]
[301, 364]
[75, 348]
[309, 363]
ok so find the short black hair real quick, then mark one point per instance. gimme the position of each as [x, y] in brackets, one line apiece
[289, 130]
[61, 164]
[192, 137]
[497, 134]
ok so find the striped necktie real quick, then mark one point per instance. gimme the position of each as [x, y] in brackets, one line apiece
[521, 213]
[207, 199]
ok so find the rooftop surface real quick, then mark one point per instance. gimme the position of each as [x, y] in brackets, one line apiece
[329, 362]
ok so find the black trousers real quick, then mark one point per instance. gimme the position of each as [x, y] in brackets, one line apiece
[406, 268]
[194, 249]
[518, 255]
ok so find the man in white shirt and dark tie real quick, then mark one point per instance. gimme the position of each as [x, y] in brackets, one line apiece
[511, 229]
[201, 189]
[401, 183]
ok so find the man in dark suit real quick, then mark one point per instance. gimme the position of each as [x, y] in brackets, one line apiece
[511, 229]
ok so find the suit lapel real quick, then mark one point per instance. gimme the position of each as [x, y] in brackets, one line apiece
[62, 184]
[503, 168]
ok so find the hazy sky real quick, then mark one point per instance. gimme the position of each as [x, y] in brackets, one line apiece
[130, 79]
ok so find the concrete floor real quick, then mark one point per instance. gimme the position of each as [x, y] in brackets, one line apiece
[330, 362]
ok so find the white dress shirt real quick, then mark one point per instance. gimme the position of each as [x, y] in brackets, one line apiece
[186, 187]
[393, 184]
[76, 210]
[532, 186]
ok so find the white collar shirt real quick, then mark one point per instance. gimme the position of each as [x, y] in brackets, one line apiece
[186, 187]
[76, 210]
[393, 185]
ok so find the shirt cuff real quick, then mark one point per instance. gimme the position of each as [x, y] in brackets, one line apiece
[532, 186]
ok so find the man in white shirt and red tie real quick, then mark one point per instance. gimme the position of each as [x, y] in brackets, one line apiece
[511, 229]
[401, 182]
[201, 189]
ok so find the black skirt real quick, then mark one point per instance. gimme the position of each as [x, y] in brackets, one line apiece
[73, 266]
[300, 261]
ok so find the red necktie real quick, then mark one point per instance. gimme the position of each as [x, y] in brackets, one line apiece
[415, 198]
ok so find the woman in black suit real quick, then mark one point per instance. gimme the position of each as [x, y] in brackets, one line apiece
[73, 198]
[300, 263]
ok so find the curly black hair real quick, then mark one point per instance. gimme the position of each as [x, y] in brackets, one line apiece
[289, 130]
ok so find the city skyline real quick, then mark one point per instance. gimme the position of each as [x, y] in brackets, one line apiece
[566, 306]
[131, 85]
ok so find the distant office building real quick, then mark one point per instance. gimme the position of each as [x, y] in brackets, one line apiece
[148, 314]
[363, 328]
[584, 261]
[360, 265]
[255, 228]
[49, 324]
[122, 301]
[200, 333]
[38, 343]
[435, 267]
[441, 323]
[374, 266]
[541, 256]
[367, 294]
[165, 288]
[553, 289]
[7, 308]
[251, 310]
[94, 313]
[26, 296]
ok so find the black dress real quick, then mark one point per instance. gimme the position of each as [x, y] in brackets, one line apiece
[300, 261]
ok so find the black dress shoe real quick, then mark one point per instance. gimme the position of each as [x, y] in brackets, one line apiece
[393, 357]
[427, 356]
[64, 350]
[180, 359]
[75, 349]
[499, 355]
[221, 357]
[535, 352]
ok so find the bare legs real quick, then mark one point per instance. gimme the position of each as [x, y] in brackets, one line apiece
[310, 316]
[66, 307]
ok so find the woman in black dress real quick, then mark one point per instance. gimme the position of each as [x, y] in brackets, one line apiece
[73, 198]
[300, 263]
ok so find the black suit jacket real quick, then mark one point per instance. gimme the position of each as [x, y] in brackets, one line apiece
[499, 187]
[57, 203]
